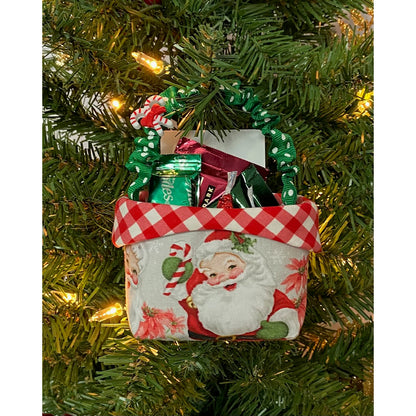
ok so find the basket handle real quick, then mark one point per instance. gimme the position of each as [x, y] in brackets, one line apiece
[282, 148]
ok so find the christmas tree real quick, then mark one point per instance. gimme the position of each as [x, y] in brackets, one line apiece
[311, 63]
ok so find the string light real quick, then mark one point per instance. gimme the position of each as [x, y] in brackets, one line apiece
[69, 297]
[366, 101]
[116, 104]
[64, 296]
[107, 313]
[154, 65]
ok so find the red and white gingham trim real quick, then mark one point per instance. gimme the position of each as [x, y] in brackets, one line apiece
[295, 225]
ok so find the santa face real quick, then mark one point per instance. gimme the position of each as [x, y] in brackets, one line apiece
[131, 264]
[133, 255]
[237, 295]
[222, 268]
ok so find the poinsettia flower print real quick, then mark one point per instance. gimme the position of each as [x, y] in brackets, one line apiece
[156, 322]
[176, 325]
[300, 305]
[298, 279]
[152, 325]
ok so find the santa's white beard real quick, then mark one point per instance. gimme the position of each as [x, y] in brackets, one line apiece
[241, 310]
[134, 304]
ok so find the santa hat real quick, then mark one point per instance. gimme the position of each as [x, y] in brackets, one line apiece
[223, 235]
[220, 242]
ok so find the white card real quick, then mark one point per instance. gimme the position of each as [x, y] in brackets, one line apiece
[247, 144]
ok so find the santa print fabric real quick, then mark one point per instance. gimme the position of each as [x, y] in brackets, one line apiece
[216, 283]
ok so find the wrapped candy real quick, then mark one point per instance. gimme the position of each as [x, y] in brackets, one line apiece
[174, 180]
[226, 200]
[212, 184]
[251, 190]
[214, 169]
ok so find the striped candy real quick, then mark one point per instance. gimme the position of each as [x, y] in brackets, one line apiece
[157, 122]
[178, 250]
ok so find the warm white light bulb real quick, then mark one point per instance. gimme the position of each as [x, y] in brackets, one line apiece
[69, 297]
[116, 104]
[154, 65]
[107, 313]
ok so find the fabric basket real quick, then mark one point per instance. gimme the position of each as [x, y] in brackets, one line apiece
[210, 273]
[195, 273]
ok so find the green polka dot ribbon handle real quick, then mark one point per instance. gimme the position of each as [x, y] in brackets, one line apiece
[147, 149]
[152, 118]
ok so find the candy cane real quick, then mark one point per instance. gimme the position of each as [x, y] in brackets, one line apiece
[161, 121]
[136, 116]
[183, 249]
[154, 99]
[156, 121]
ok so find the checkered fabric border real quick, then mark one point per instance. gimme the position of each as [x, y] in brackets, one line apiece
[296, 225]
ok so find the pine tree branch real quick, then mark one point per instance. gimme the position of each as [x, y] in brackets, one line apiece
[80, 189]
[287, 52]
